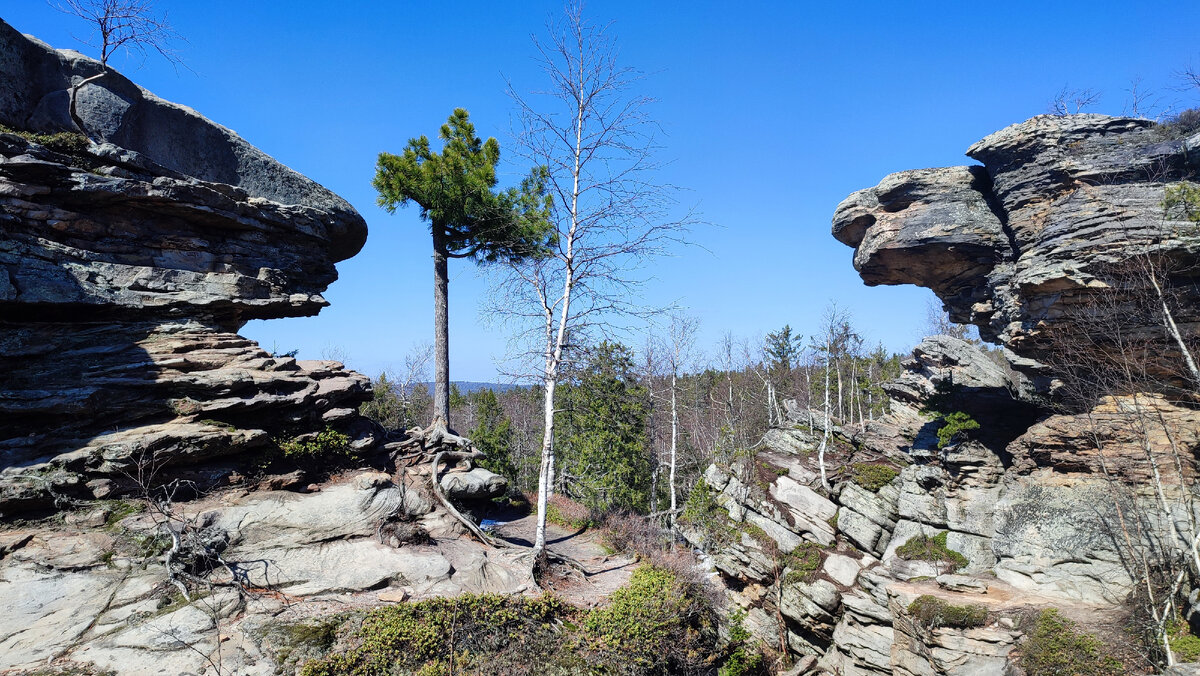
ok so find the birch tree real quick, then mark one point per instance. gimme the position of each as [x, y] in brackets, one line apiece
[834, 326]
[592, 129]
[682, 337]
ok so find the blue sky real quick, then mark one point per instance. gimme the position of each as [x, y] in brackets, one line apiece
[774, 112]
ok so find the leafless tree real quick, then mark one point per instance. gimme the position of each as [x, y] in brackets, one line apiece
[681, 344]
[1142, 102]
[1129, 379]
[593, 131]
[129, 25]
[938, 322]
[1189, 77]
[1073, 101]
[832, 328]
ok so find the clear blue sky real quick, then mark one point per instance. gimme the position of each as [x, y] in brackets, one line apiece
[774, 112]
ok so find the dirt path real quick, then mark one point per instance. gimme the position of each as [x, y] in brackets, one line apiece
[603, 573]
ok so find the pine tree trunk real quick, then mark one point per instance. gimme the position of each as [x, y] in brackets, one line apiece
[441, 327]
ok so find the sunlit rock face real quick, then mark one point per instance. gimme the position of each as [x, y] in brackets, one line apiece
[1060, 216]
[128, 265]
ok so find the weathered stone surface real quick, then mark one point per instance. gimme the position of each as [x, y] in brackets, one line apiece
[1059, 537]
[1013, 246]
[962, 583]
[842, 569]
[474, 484]
[809, 512]
[127, 269]
[83, 593]
[1112, 438]
[34, 84]
[923, 651]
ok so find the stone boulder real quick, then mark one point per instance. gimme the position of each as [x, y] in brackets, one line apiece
[35, 84]
[473, 485]
[127, 268]
[1018, 245]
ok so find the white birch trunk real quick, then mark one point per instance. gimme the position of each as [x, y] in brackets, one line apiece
[674, 441]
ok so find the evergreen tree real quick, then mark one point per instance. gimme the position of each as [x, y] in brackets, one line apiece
[454, 190]
[493, 434]
[604, 460]
[783, 350]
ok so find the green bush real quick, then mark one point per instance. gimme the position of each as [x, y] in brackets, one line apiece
[954, 425]
[932, 612]
[872, 476]
[923, 548]
[410, 637]
[1055, 647]
[743, 658]
[1183, 199]
[802, 564]
[652, 625]
[326, 443]
[1184, 644]
[1183, 124]
[567, 513]
[702, 512]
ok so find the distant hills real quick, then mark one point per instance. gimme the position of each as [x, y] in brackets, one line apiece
[468, 386]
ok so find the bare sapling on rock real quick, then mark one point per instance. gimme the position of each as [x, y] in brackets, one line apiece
[130, 25]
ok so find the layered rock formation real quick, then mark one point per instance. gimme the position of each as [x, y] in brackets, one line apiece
[1052, 248]
[829, 574]
[127, 266]
[1025, 242]
[86, 595]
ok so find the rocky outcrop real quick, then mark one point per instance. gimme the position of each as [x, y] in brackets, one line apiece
[1023, 244]
[1010, 519]
[127, 266]
[35, 93]
[93, 590]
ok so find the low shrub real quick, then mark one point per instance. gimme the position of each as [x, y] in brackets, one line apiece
[323, 444]
[742, 656]
[1183, 200]
[654, 625]
[1186, 123]
[567, 513]
[954, 427]
[293, 644]
[932, 612]
[923, 548]
[631, 533]
[66, 142]
[1184, 644]
[1055, 646]
[872, 476]
[409, 637]
[803, 563]
[702, 512]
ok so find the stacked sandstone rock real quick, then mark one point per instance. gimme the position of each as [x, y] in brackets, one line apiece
[127, 266]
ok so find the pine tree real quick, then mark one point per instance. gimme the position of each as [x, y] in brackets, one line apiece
[454, 190]
[493, 434]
